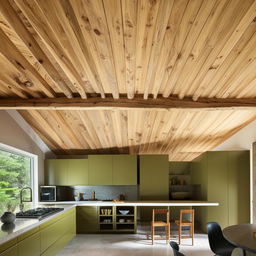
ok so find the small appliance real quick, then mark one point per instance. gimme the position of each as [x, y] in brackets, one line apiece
[55, 193]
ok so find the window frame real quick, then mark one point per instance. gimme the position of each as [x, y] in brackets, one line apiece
[33, 168]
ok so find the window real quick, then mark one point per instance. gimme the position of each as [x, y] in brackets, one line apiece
[16, 171]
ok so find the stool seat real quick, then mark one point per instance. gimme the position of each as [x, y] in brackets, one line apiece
[184, 222]
[160, 223]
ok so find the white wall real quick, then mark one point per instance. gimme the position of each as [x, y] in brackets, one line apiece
[240, 141]
[13, 135]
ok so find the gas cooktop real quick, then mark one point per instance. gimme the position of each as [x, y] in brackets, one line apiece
[38, 213]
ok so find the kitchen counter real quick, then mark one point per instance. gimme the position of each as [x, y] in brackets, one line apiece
[133, 203]
[23, 225]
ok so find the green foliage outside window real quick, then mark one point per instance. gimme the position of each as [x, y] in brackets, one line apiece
[14, 174]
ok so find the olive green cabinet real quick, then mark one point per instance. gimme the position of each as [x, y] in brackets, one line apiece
[87, 219]
[225, 178]
[100, 170]
[218, 187]
[12, 251]
[56, 171]
[58, 229]
[66, 172]
[124, 170]
[154, 181]
[154, 177]
[46, 240]
[30, 246]
[78, 171]
[96, 170]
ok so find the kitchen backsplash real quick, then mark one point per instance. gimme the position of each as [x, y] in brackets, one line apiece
[108, 192]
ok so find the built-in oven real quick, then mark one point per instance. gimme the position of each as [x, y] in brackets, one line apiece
[55, 193]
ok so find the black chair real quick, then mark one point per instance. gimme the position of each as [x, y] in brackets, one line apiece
[218, 244]
[175, 249]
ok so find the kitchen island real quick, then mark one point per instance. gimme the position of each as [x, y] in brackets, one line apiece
[49, 235]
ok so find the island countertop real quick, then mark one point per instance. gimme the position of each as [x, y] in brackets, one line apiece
[23, 225]
[134, 203]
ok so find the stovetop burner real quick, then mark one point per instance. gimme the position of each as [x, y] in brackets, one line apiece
[38, 213]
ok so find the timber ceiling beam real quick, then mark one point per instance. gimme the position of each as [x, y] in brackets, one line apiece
[137, 102]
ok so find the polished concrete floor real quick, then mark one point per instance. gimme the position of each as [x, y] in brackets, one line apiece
[132, 244]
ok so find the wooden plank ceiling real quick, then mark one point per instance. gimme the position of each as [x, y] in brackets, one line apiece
[128, 48]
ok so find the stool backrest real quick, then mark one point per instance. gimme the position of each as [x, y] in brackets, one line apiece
[161, 212]
[184, 214]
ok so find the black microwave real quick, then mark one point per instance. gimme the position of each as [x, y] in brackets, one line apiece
[55, 193]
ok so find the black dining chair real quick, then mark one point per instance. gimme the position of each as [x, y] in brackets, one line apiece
[175, 249]
[218, 244]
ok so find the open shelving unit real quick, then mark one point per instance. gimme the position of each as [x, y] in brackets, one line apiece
[111, 220]
[126, 222]
[106, 218]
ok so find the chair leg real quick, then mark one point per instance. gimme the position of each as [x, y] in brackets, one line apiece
[166, 234]
[169, 232]
[180, 233]
[152, 234]
[193, 231]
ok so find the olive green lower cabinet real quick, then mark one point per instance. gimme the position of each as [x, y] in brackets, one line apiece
[46, 240]
[13, 251]
[106, 219]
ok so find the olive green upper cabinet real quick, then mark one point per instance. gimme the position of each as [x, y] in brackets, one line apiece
[124, 170]
[77, 172]
[56, 171]
[154, 177]
[100, 170]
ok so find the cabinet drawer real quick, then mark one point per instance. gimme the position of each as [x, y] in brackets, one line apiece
[13, 251]
[30, 246]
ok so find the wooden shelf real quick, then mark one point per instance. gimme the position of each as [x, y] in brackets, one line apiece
[127, 223]
[106, 223]
[123, 215]
[106, 215]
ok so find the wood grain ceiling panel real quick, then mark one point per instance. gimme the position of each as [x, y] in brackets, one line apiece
[182, 134]
[192, 50]
[76, 48]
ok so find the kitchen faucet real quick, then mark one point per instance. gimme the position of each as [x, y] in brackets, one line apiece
[21, 197]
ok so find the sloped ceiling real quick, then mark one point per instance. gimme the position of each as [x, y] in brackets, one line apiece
[73, 49]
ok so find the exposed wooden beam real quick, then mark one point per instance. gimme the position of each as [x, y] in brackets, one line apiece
[124, 103]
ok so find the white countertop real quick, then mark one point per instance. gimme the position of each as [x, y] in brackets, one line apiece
[23, 225]
[134, 203]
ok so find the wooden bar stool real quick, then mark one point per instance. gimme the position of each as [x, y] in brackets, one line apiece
[184, 222]
[156, 223]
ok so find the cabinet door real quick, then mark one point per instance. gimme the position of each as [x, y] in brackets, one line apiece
[100, 170]
[51, 234]
[154, 177]
[30, 246]
[56, 171]
[77, 172]
[87, 219]
[124, 170]
[238, 187]
[218, 187]
[13, 251]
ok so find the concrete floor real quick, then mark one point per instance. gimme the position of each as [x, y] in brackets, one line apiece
[133, 244]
